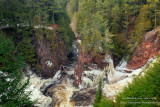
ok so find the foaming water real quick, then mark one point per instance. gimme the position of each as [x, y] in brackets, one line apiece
[111, 90]
[62, 93]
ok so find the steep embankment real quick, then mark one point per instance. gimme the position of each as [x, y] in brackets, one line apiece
[52, 53]
[85, 62]
[149, 48]
[86, 74]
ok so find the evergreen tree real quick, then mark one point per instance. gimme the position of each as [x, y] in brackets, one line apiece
[145, 88]
[116, 24]
[154, 8]
[107, 8]
[130, 8]
[72, 7]
[12, 90]
[26, 48]
[98, 94]
[142, 23]
[105, 103]
[93, 42]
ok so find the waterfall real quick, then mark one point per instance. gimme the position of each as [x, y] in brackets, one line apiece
[91, 78]
[121, 66]
[62, 93]
[34, 86]
[112, 73]
[38, 86]
[112, 89]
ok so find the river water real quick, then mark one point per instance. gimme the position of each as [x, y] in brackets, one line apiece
[114, 80]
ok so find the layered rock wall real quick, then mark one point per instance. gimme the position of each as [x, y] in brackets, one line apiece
[85, 61]
[50, 59]
[149, 48]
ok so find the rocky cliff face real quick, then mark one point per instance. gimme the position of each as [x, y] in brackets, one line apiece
[149, 48]
[85, 61]
[50, 59]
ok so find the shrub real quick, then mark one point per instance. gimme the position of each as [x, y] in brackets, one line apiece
[105, 103]
[143, 91]
[98, 94]
[52, 67]
[101, 101]
[38, 67]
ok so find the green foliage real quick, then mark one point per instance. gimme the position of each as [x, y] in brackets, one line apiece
[47, 34]
[13, 12]
[154, 12]
[25, 32]
[72, 7]
[90, 14]
[93, 42]
[66, 33]
[116, 25]
[37, 13]
[12, 90]
[142, 23]
[28, 51]
[94, 19]
[7, 51]
[121, 46]
[101, 101]
[98, 94]
[116, 15]
[143, 89]
[90, 25]
[38, 67]
[105, 103]
[39, 33]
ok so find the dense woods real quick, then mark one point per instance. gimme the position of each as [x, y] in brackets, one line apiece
[31, 13]
[118, 23]
[12, 90]
[103, 26]
[18, 20]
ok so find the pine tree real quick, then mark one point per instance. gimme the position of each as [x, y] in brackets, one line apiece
[153, 5]
[105, 103]
[28, 51]
[98, 94]
[12, 90]
[72, 7]
[116, 24]
[142, 23]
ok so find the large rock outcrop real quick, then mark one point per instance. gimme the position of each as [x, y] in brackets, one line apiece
[84, 97]
[149, 48]
[85, 61]
[50, 57]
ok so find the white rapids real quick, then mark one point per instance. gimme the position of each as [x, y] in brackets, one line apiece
[62, 92]
[36, 85]
[118, 79]
[36, 94]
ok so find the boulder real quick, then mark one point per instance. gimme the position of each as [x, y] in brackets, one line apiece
[84, 97]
